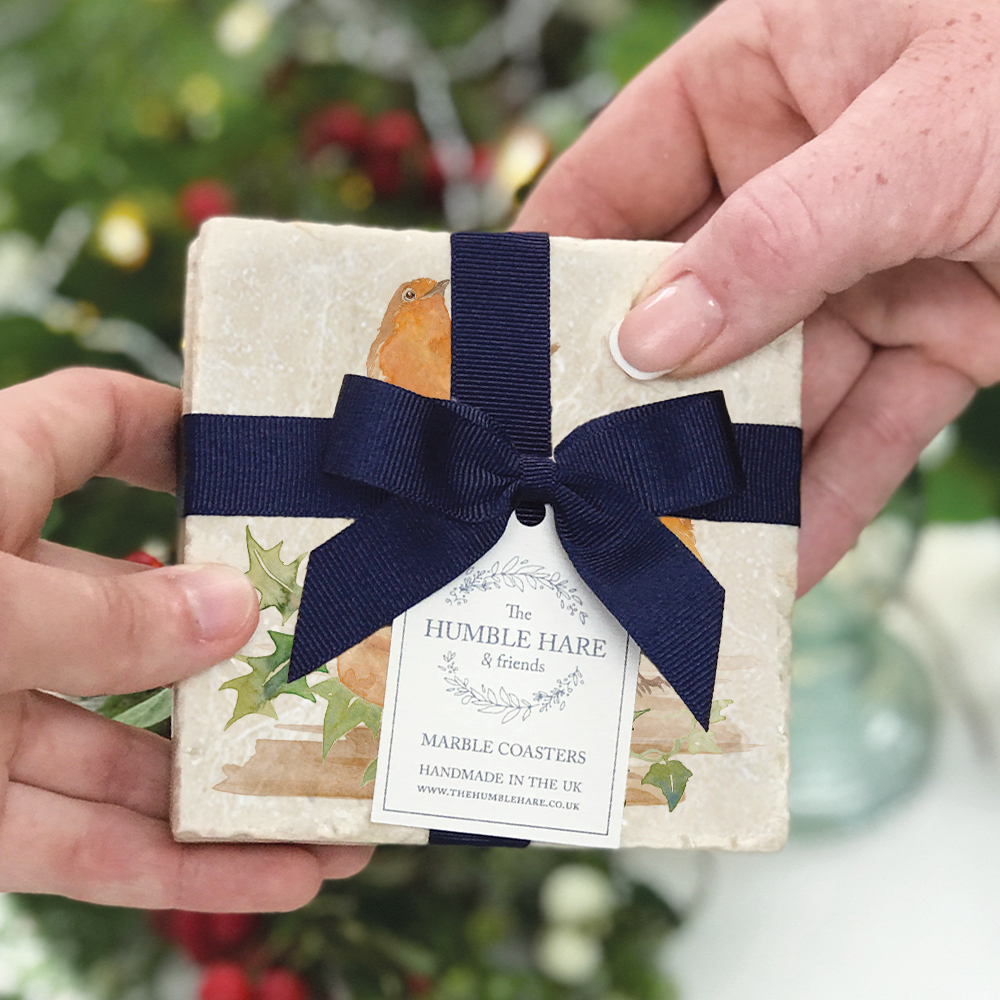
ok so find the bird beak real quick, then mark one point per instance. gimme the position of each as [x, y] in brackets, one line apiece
[438, 289]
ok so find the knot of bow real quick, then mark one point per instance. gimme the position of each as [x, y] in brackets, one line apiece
[439, 480]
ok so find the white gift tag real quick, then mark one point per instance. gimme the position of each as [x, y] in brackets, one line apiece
[509, 703]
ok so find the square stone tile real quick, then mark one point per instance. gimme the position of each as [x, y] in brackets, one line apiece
[276, 314]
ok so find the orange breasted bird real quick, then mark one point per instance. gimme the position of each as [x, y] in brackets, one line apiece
[413, 346]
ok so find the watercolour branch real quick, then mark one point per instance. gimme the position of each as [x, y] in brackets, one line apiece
[503, 702]
[521, 575]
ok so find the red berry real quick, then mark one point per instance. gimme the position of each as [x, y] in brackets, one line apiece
[483, 157]
[282, 984]
[341, 123]
[203, 199]
[225, 981]
[144, 559]
[432, 175]
[385, 172]
[395, 131]
[188, 931]
[417, 985]
[228, 931]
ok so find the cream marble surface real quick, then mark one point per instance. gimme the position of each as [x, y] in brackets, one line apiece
[276, 314]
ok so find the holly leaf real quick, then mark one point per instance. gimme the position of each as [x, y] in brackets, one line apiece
[671, 777]
[278, 684]
[275, 581]
[642, 711]
[717, 707]
[251, 698]
[369, 774]
[344, 711]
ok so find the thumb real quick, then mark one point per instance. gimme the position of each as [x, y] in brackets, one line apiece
[867, 194]
[80, 634]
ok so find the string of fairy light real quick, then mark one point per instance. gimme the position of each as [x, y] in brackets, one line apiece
[477, 186]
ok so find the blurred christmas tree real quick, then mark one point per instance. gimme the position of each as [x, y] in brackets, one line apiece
[122, 128]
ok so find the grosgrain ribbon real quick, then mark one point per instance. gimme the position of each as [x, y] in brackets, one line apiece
[432, 483]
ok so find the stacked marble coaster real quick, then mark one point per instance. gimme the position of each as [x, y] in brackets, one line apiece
[277, 314]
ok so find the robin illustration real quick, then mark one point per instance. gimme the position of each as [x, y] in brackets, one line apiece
[413, 346]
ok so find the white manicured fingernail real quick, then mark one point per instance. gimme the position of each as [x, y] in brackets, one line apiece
[624, 365]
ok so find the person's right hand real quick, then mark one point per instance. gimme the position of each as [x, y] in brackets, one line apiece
[83, 799]
[831, 159]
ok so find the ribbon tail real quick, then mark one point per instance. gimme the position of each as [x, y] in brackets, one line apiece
[375, 569]
[662, 595]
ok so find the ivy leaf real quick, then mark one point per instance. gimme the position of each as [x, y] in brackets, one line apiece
[671, 777]
[717, 708]
[701, 742]
[274, 580]
[251, 698]
[344, 711]
[369, 774]
[148, 713]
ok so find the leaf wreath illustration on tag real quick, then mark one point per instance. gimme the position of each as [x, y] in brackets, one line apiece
[519, 574]
[504, 702]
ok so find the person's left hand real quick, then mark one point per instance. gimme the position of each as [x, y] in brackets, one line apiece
[83, 799]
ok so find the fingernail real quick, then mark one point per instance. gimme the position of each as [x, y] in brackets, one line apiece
[662, 332]
[221, 598]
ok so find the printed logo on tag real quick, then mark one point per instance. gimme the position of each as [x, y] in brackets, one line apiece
[509, 703]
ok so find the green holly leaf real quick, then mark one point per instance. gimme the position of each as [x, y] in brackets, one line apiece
[369, 774]
[344, 711]
[274, 580]
[717, 707]
[278, 684]
[671, 777]
[251, 698]
[635, 715]
[701, 742]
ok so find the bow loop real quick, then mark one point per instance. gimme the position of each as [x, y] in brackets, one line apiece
[440, 454]
[673, 455]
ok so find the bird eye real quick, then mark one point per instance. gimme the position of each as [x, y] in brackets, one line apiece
[409, 295]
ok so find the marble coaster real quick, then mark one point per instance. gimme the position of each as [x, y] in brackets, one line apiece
[276, 314]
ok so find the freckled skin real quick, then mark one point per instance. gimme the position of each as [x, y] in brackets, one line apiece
[765, 111]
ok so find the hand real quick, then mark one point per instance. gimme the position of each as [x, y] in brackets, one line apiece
[831, 159]
[83, 800]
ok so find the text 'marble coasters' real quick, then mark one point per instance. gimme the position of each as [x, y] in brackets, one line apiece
[509, 703]
[360, 506]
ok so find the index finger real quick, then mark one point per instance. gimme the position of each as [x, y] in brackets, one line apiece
[61, 430]
[713, 109]
[639, 170]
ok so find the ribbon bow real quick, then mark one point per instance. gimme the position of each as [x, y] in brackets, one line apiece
[454, 477]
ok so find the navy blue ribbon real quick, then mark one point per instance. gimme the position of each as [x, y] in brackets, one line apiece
[432, 483]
